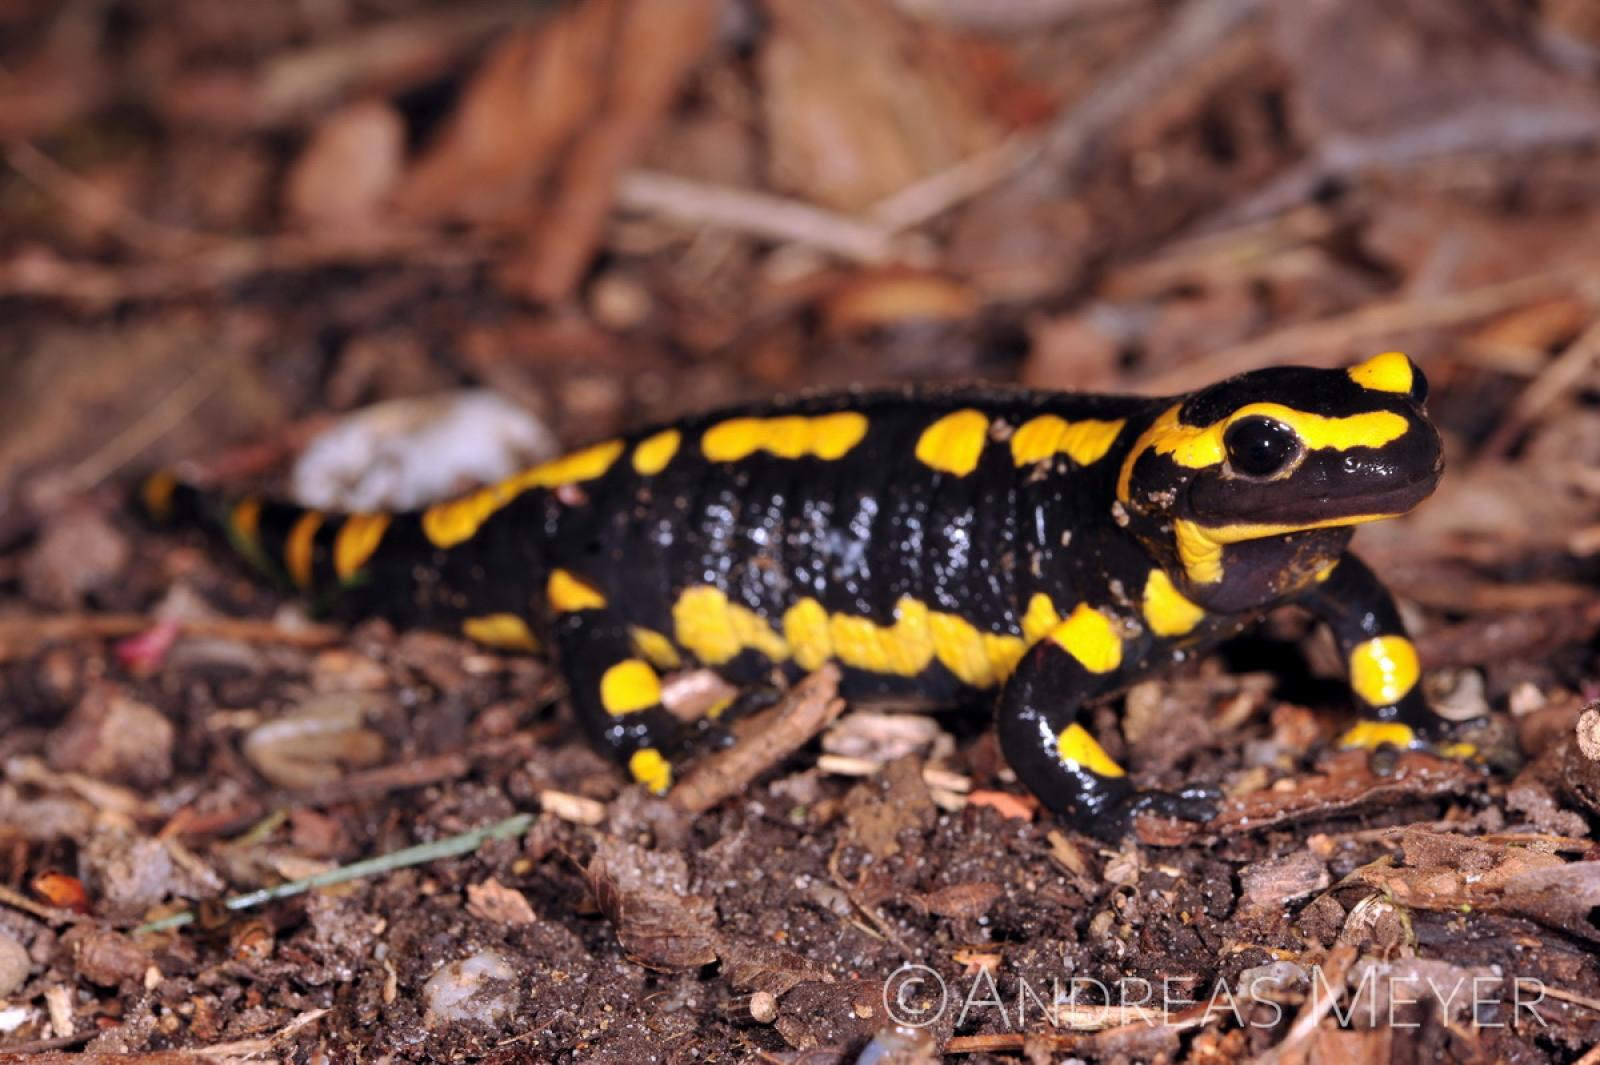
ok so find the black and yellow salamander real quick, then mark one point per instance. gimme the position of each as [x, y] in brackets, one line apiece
[938, 545]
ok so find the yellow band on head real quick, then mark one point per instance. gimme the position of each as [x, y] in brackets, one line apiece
[1389, 372]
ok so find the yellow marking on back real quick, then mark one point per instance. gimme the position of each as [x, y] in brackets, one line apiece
[1085, 442]
[1200, 546]
[1384, 669]
[1369, 735]
[450, 523]
[629, 686]
[652, 455]
[504, 631]
[298, 547]
[789, 436]
[1166, 610]
[1325, 571]
[245, 520]
[655, 647]
[649, 768]
[1040, 619]
[954, 443]
[568, 594]
[1389, 372]
[1091, 638]
[358, 538]
[156, 494]
[1079, 749]
[1200, 447]
[806, 627]
[714, 630]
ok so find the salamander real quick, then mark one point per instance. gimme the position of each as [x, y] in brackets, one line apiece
[1037, 550]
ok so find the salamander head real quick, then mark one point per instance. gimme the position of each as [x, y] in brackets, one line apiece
[1281, 451]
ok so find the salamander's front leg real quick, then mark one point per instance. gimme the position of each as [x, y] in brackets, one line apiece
[617, 695]
[1384, 672]
[1054, 755]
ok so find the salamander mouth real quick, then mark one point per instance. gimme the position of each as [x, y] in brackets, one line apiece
[1218, 503]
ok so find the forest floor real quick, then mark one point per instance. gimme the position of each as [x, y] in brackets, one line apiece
[225, 227]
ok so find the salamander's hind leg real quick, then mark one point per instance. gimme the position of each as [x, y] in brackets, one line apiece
[1384, 672]
[1055, 756]
[617, 695]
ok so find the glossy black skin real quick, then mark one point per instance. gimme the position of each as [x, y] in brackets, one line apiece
[859, 532]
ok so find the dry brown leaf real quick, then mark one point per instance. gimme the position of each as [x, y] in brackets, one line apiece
[347, 167]
[645, 894]
[493, 901]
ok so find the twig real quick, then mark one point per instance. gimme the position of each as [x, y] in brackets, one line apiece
[756, 213]
[1014, 16]
[937, 193]
[1326, 341]
[1325, 995]
[1563, 374]
[449, 847]
[149, 427]
[20, 635]
[1503, 129]
[14, 898]
[804, 712]
[1195, 31]
[1560, 994]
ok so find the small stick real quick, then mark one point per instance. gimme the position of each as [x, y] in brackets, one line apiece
[449, 847]
[20, 635]
[804, 712]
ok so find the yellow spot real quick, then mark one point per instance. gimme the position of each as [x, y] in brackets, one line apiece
[1089, 636]
[156, 494]
[653, 454]
[714, 630]
[1040, 619]
[504, 631]
[954, 443]
[1326, 571]
[1078, 748]
[1389, 372]
[358, 538]
[721, 706]
[245, 518]
[1370, 735]
[791, 436]
[1460, 750]
[1200, 546]
[1199, 447]
[1384, 669]
[655, 647]
[629, 686]
[297, 548]
[1084, 442]
[448, 524]
[651, 770]
[805, 626]
[567, 594]
[1166, 611]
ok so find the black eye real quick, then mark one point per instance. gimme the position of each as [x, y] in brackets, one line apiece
[1260, 447]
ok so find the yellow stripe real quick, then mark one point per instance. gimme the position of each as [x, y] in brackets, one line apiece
[505, 631]
[1166, 610]
[1200, 546]
[448, 524]
[1089, 636]
[1085, 442]
[1389, 372]
[1384, 669]
[298, 547]
[1077, 748]
[653, 454]
[954, 443]
[1199, 447]
[790, 436]
[156, 494]
[629, 686]
[358, 538]
[245, 518]
[568, 594]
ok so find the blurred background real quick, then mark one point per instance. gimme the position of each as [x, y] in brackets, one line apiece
[224, 227]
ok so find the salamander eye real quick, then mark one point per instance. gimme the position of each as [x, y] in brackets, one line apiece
[1260, 447]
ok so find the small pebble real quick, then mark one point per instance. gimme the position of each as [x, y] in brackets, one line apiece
[481, 987]
[14, 965]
